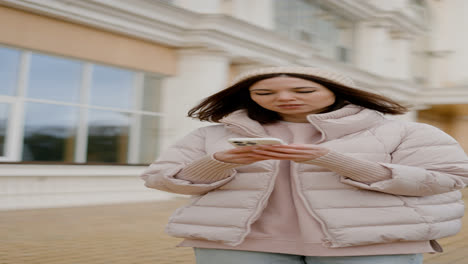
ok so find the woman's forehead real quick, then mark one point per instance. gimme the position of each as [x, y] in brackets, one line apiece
[284, 81]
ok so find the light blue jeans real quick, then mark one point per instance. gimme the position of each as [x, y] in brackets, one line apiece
[221, 256]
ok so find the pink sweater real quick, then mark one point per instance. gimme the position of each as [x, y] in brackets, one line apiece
[285, 225]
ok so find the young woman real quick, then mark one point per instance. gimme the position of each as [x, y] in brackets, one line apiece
[350, 186]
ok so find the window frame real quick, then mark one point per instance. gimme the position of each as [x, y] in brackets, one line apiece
[10, 102]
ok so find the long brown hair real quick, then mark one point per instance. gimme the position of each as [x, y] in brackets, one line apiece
[237, 97]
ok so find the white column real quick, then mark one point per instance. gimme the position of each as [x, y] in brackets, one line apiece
[200, 73]
[243, 67]
[460, 42]
[203, 6]
[400, 56]
[371, 47]
[419, 59]
[448, 42]
[345, 40]
[258, 12]
[439, 68]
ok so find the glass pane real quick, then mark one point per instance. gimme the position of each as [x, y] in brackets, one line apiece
[108, 136]
[3, 127]
[152, 94]
[9, 66]
[49, 132]
[297, 19]
[149, 138]
[54, 78]
[112, 87]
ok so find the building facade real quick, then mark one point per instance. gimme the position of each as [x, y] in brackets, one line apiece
[92, 90]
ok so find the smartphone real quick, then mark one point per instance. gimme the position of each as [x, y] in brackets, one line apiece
[242, 142]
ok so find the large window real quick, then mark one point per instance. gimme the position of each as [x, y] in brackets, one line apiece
[307, 21]
[55, 109]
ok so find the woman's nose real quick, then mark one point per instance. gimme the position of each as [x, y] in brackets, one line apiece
[285, 96]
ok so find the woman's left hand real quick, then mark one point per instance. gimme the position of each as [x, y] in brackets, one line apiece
[294, 152]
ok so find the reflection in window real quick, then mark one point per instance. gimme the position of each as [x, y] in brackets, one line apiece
[108, 136]
[3, 127]
[418, 2]
[149, 138]
[309, 22]
[9, 66]
[54, 78]
[112, 87]
[49, 132]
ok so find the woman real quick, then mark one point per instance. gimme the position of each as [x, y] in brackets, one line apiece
[349, 187]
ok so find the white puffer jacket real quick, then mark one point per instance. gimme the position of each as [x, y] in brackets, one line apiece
[419, 203]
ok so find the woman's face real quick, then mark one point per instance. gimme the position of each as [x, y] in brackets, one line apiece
[292, 98]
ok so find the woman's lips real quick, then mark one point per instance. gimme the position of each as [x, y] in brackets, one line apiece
[290, 105]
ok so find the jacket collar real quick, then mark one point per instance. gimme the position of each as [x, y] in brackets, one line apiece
[331, 125]
[239, 122]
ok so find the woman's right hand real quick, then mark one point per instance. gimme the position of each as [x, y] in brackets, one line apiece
[240, 155]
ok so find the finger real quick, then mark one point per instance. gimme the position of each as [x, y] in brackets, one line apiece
[283, 150]
[291, 146]
[255, 156]
[241, 149]
[251, 159]
[277, 154]
[260, 156]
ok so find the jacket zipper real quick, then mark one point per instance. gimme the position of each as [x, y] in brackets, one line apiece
[295, 178]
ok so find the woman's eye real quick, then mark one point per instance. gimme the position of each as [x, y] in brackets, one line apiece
[263, 93]
[305, 91]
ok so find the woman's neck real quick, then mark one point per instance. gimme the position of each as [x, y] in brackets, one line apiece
[295, 119]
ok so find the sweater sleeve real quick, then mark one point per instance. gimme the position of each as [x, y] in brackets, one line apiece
[357, 169]
[186, 168]
[206, 170]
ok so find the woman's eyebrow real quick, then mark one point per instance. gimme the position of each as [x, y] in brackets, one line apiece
[305, 87]
[293, 88]
[258, 89]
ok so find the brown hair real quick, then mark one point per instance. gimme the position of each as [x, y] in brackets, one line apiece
[237, 97]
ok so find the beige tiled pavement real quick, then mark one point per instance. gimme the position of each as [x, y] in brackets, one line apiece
[108, 234]
[123, 234]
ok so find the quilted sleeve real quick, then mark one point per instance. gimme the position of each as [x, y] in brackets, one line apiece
[426, 162]
[185, 168]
